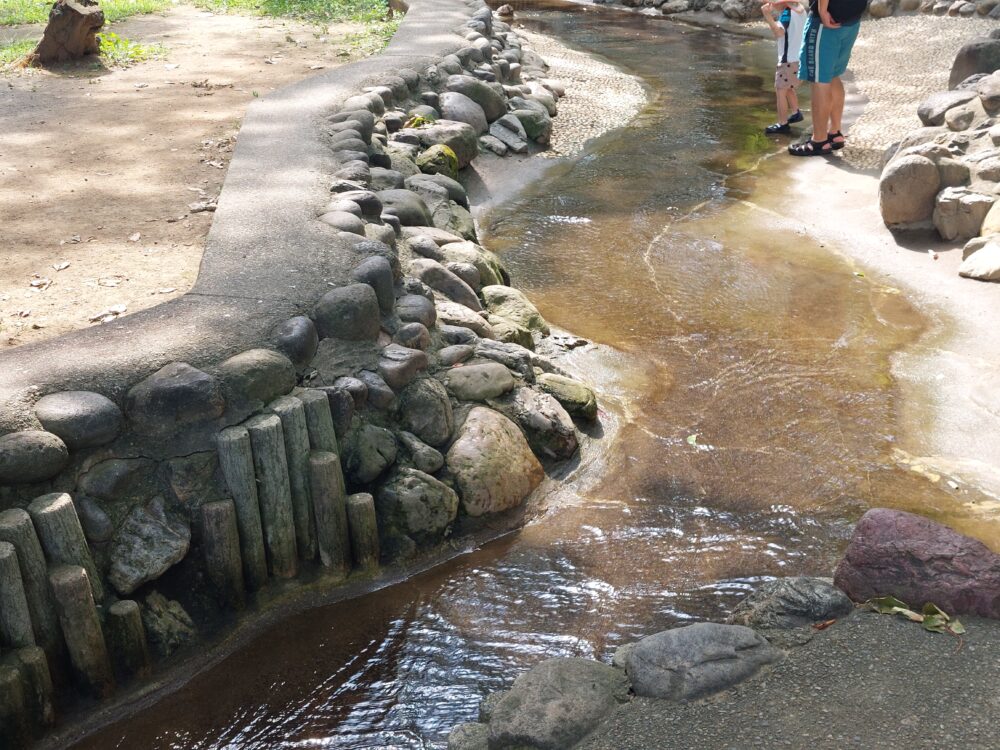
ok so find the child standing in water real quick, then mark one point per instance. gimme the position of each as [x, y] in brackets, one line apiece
[787, 19]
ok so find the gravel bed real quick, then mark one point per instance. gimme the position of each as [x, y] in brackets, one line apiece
[897, 62]
[599, 97]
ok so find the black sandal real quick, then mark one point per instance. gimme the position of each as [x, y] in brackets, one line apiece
[810, 148]
[837, 145]
[778, 129]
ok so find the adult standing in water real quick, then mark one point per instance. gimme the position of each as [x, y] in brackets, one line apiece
[831, 30]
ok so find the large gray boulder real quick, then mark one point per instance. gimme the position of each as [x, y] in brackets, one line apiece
[792, 603]
[981, 55]
[407, 206]
[31, 456]
[907, 190]
[546, 424]
[492, 464]
[696, 660]
[174, 396]
[82, 419]
[478, 382]
[578, 399]
[491, 270]
[508, 302]
[933, 109]
[148, 543]
[492, 103]
[439, 278]
[460, 108]
[741, 10]
[556, 704]
[984, 264]
[458, 136]
[959, 212]
[258, 375]
[454, 314]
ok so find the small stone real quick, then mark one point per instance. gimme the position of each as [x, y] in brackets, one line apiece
[380, 395]
[545, 423]
[578, 399]
[371, 206]
[413, 308]
[510, 303]
[368, 451]
[454, 314]
[792, 603]
[460, 108]
[297, 339]
[425, 410]
[454, 354]
[167, 625]
[471, 735]
[341, 409]
[348, 312]
[399, 365]
[345, 222]
[31, 456]
[357, 389]
[439, 278]
[376, 272]
[424, 457]
[413, 336]
[97, 526]
[407, 206]
[441, 159]
[82, 419]
[416, 505]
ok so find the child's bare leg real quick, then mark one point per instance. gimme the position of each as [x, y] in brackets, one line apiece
[782, 103]
[793, 100]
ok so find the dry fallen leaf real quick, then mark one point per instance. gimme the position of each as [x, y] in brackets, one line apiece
[40, 283]
[134, 237]
[111, 281]
[167, 290]
[61, 266]
[823, 625]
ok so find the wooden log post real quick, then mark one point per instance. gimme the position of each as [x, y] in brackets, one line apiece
[274, 493]
[330, 503]
[292, 414]
[82, 629]
[126, 641]
[221, 544]
[16, 527]
[37, 685]
[14, 730]
[364, 530]
[319, 419]
[62, 538]
[236, 459]
[15, 617]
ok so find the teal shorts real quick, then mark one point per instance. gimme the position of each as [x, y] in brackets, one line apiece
[825, 52]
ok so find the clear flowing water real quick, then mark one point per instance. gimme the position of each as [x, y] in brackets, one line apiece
[746, 371]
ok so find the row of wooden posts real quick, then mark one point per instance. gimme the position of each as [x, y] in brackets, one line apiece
[288, 504]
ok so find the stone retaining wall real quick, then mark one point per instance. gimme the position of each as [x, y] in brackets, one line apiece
[351, 382]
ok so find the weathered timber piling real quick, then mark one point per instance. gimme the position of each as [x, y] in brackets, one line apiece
[292, 414]
[62, 538]
[274, 493]
[17, 529]
[364, 530]
[236, 459]
[330, 502]
[319, 419]
[37, 685]
[82, 629]
[221, 542]
[15, 617]
[126, 640]
[13, 712]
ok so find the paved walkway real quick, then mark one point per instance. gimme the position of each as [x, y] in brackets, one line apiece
[870, 681]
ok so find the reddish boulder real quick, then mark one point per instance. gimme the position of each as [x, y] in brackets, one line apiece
[919, 561]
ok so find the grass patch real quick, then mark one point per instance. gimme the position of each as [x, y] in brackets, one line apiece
[15, 51]
[119, 52]
[37, 11]
[373, 39]
[318, 11]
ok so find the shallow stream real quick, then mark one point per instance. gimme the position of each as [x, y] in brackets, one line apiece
[750, 414]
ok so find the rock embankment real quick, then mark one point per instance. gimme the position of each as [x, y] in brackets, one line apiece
[947, 173]
[408, 404]
[797, 665]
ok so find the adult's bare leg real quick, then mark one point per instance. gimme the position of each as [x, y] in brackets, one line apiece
[837, 97]
[822, 99]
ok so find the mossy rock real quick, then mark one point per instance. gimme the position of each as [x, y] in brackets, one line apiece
[439, 159]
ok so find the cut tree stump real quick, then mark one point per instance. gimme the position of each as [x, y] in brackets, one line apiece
[70, 33]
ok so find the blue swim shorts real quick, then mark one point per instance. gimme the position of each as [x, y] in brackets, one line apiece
[825, 52]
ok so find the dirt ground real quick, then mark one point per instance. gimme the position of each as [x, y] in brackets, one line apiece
[101, 170]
